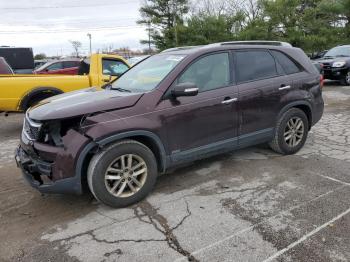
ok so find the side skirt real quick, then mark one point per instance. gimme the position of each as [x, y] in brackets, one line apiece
[220, 147]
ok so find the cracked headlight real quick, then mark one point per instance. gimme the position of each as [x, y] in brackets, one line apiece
[339, 64]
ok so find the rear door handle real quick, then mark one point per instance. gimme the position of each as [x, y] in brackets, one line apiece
[229, 101]
[284, 87]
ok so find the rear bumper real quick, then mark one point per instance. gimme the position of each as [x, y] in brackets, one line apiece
[38, 174]
[318, 109]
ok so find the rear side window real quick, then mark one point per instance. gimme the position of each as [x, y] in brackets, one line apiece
[254, 65]
[286, 63]
[69, 64]
[55, 66]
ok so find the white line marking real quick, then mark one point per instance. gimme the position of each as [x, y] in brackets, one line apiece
[282, 251]
[252, 226]
[334, 179]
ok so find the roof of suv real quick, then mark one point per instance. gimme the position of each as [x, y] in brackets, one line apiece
[186, 50]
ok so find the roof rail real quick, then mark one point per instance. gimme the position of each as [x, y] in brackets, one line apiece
[257, 42]
[180, 48]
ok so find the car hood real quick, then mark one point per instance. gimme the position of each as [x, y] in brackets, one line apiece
[332, 60]
[81, 102]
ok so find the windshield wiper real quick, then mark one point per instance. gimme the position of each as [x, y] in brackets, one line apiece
[121, 89]
[328, 56]
[342, 56]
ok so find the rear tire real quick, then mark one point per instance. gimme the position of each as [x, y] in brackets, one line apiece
[291, 132]
[122, 174]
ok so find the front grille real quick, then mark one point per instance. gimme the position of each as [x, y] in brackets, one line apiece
[31, 128]
[327, 66]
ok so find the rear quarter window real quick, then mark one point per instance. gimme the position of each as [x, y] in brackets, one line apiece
[288, 65]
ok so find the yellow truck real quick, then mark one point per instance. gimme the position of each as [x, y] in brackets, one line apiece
[19, 92]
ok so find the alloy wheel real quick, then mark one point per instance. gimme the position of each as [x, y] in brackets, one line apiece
[294, 132]
[347, 78]
[126, 175]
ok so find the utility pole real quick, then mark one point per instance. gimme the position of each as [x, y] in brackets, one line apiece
[89, 36]
[149, 37]
[175, 22]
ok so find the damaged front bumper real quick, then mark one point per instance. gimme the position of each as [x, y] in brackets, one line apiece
[38, 174]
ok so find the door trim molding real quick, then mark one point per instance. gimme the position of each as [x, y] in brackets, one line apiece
[222, 146]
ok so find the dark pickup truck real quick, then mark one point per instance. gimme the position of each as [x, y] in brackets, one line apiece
[20, 59]
[336, 64]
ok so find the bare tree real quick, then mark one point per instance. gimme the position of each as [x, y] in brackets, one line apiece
[250, 8]
[216, 7]
[76, 46]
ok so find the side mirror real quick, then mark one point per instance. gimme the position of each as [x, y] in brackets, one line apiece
[107, 81]
[185, 89]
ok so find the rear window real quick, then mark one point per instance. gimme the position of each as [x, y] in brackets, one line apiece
[254, 65]
[289, 66]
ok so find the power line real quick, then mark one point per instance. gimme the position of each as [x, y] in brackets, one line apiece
[68, 30]
[72, 22]
[70, 6]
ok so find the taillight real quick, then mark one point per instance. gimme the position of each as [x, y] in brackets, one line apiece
[321, 81]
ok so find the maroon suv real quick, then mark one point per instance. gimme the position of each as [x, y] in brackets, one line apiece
[175, 107]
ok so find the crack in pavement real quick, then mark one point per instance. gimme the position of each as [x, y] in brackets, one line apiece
[160, 223]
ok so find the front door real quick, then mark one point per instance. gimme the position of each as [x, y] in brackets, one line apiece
[199, 125]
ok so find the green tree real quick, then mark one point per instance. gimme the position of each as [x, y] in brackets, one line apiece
[163, 19]
[309, 24]
[40, 56]
[205, 29]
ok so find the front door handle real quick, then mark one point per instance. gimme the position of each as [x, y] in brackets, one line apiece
[284, 87]
[229, 101]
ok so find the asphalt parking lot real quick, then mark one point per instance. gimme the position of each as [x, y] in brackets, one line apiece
[250, 205]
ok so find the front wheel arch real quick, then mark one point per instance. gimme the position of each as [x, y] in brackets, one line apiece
[36, 94]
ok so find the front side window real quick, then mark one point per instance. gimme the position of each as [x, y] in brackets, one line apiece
[113, 67]
[254, 65]
[146, 75]
[55, 66]
[208, 73]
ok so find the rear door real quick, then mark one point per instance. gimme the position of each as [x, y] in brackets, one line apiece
[261, 85]
[70, 68]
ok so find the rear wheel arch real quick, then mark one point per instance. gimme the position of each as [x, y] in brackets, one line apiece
[37, 94]
[303, 106]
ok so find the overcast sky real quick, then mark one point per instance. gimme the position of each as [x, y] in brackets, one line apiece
[47, 26]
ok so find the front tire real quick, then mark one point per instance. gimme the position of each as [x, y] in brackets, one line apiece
[122, 174]
[291, 132]
[346, 80]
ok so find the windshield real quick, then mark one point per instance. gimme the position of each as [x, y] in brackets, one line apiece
[339, 51]
[146, 75]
